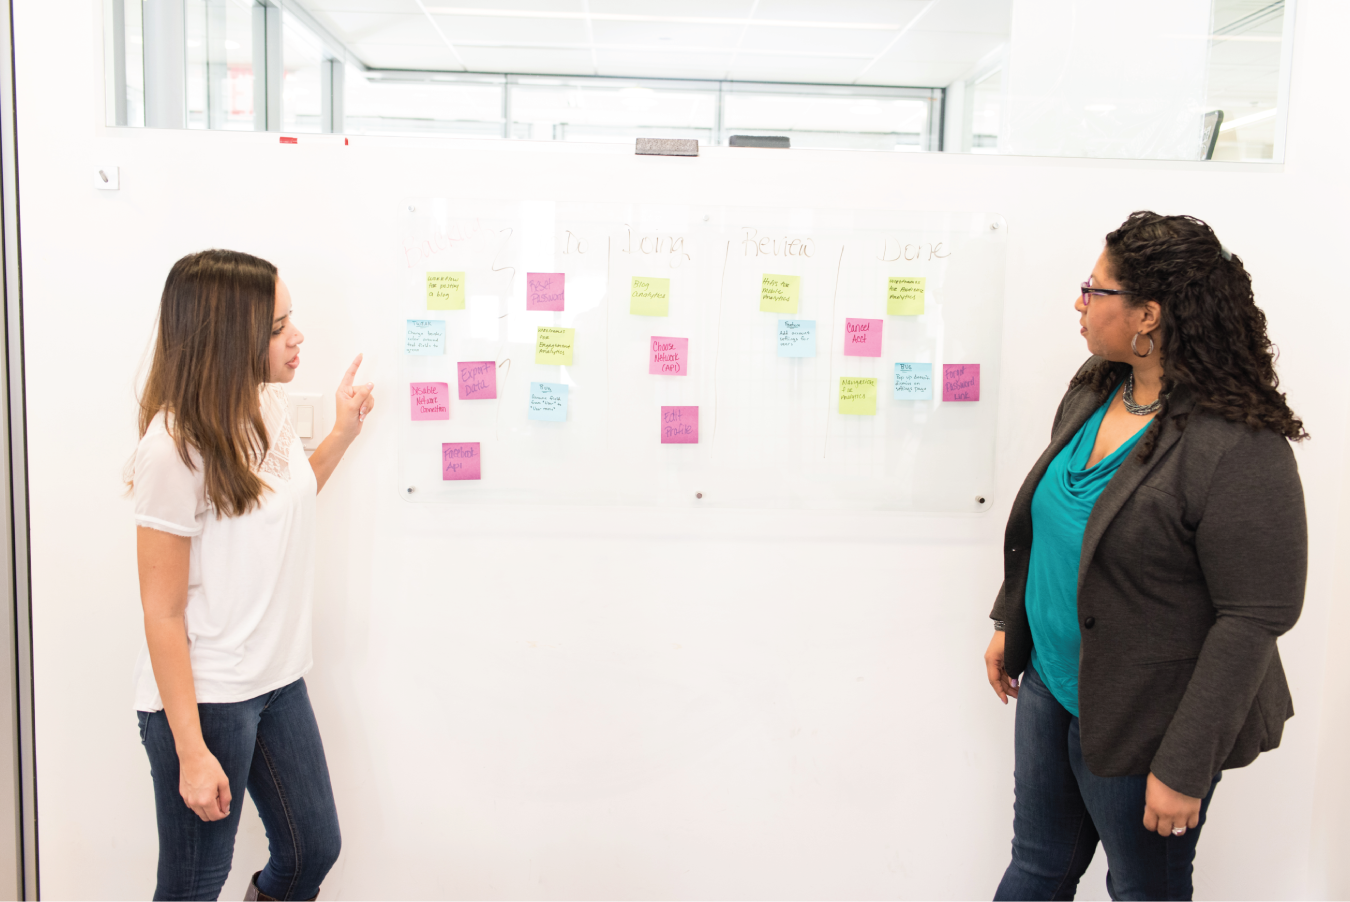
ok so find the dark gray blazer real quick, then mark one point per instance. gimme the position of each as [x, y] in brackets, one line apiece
[1193, 563]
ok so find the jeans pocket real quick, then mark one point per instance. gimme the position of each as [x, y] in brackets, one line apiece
[143, 718]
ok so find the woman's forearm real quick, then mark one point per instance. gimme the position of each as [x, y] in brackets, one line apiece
[166, 637]
[326, 457]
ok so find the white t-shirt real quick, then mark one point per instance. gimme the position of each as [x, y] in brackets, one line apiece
[251, 578]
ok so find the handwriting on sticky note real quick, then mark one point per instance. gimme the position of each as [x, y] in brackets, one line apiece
[461, 460]
[862, 338]
[857, 396]
[779, 294]
[960, 382]
[554, 345]
[904, 295]
[669, 356]
[913, 381]
[679, 425]
[548, 401]
[649, 297]
[544, 291]
[445, 291]
[796, 338]
[425, 337]
[430, 400]
[477, 380]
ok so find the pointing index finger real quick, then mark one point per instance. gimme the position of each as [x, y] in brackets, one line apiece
[351, 372]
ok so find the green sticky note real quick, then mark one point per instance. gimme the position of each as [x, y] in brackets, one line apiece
[778, 294]
[445, 291]
[650, 297]
[554, 345]
[858, 396]
[904, 295]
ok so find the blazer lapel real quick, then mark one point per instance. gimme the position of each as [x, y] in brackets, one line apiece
[1128, 478]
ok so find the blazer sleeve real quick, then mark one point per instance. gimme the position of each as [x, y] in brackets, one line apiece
[1252, 544]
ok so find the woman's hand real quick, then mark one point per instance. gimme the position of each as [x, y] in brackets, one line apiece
[1167, 811]
[353, 403]
[203, 785]
[1004, 686]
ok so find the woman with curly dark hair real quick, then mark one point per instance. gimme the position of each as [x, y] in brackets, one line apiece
[1152, 557]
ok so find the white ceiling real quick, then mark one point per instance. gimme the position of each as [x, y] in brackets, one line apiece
[919, 43]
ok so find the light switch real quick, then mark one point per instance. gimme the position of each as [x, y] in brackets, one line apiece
[304, 421]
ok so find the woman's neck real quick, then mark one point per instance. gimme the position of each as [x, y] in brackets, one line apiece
[1148, 374]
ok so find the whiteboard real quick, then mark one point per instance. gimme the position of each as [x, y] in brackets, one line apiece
[770, 431]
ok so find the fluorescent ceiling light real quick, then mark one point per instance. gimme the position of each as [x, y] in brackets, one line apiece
[1248, 120]
[661, 48]
[635, 17]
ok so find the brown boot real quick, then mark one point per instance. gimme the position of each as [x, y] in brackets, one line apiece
[256, 895]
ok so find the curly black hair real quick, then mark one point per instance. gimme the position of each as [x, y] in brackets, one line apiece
[1213, 340]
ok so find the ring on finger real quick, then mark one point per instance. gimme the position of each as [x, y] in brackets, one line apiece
[1178, 831]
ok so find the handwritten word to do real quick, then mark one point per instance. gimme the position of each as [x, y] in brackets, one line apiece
[858, 396]
[477, 380]
[779, 294]
[554, 345]
[862, 338]
[679, 425]
[425, 338]
[445, 291]
[913, 381]
[548, 401]
[649, 297]
[904, 295]
[461, 460]
[544, 291]
[796, 338]
[430, 400]
[960, 382]
[670, 356]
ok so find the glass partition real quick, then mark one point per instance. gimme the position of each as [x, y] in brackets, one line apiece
[1143, 79]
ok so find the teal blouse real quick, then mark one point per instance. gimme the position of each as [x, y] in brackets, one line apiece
[1059, 515]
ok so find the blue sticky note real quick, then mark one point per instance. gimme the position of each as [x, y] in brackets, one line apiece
[913, 381]
[548, 401]
[426, 337]
[796, 338]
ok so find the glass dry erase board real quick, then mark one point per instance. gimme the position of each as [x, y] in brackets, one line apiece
[648, 354]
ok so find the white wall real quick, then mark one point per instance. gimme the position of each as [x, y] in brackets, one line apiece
[795, 726]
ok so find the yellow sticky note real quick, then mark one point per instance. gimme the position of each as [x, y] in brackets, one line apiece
[554, 345]
[650, 297]
[904, 295]
[858, 396]
[778, 294]
[445, 291]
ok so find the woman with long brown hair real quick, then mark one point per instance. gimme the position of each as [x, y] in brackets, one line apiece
[1154, 554]
[225, 508]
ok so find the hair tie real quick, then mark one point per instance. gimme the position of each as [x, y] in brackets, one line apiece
[1225, 253]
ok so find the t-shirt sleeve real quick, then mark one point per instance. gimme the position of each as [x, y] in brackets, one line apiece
[166, 492]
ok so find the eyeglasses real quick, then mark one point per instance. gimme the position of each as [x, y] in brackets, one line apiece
[1088, 292]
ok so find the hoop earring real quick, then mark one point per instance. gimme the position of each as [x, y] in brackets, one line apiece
[1134, 345]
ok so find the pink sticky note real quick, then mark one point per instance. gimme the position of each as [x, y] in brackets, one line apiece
[461, 460]
[960, 382]
[669, 356]
[544, 291]
[679, 425]
[430, 400]
[477, 380]
[862, 338]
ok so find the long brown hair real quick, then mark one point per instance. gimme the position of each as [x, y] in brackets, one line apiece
[210, 359]
[1214, 340]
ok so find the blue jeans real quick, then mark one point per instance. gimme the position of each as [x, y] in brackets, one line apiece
[271, 745]
[1062, 809]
